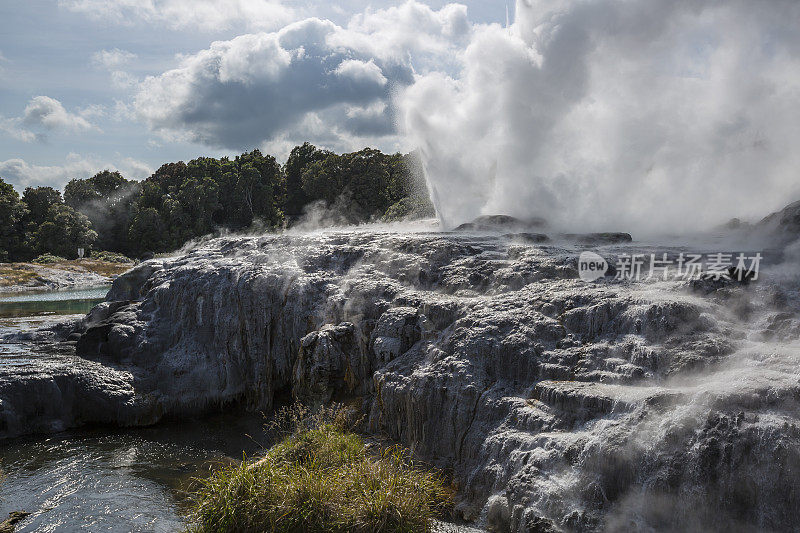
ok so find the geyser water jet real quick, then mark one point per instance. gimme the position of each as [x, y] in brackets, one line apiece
[641, 115]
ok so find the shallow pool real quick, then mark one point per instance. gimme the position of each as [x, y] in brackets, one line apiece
[42, 303]
[107, 479]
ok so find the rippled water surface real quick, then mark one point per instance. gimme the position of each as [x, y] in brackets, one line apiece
[107, 479]
[119, 480]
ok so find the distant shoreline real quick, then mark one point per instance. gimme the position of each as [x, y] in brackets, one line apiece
[76, 274]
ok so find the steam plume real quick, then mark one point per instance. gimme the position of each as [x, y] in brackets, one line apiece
[636, 115]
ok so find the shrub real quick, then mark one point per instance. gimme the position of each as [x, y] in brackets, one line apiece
[410, 208]
[48, 259]
[321, 478]
[111, 257]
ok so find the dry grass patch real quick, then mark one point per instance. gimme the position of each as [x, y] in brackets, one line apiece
[13, 274]
[104, 268]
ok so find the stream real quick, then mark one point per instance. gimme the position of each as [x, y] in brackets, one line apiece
[102, 478]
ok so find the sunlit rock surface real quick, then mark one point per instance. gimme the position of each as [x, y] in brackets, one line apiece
[558, 404]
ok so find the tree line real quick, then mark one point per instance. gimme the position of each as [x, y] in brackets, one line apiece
[182, 201]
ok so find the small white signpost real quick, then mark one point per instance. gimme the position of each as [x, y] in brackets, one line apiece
[80, 253]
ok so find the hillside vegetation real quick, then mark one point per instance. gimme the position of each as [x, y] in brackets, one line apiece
[181, 201]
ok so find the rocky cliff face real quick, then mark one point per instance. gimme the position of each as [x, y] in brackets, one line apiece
[558, 404]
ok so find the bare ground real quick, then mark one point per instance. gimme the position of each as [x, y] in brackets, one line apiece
[17, 277]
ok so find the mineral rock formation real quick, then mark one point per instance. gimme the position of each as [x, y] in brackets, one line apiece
[783, 226]
[558, 404]
[9, 524]
[501, 222]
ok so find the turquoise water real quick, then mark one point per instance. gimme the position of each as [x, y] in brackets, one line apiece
[38, 303]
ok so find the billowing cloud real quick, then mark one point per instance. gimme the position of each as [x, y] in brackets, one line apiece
[44, 114]
[92, 111]
[48, 113]
[22, 174]
[361, 71]
[311, 77]
[123, 80]
[12, 128]
[626, 115]
[434, 38]
[208, 15]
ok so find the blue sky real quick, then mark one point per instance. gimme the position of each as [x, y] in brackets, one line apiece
[86, 84]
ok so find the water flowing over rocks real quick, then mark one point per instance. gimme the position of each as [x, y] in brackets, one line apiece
[557, 404]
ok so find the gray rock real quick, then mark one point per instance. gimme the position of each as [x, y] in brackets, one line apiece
[502, 223]
[324, 369]
[557, 404]
[536, 238]
[598, 239]
[9, 524]
[783, 226]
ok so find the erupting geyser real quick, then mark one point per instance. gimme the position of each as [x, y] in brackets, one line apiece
[616, 115]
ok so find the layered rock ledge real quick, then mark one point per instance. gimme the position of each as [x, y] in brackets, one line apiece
[557, 404]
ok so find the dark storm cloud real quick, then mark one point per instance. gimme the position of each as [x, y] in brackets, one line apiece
[255, 87]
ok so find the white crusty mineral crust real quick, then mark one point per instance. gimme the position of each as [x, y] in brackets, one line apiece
[558, 404]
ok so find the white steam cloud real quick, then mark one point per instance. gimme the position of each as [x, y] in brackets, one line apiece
[635, 115]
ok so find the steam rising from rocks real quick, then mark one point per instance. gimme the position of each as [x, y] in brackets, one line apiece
[646, 115]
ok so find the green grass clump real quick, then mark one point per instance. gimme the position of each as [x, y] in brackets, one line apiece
[321, 478]
[110, 257]
[48, 259]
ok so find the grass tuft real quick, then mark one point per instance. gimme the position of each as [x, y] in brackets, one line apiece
[48, 259]
[111, 257]
[321, 478]
[12, 274]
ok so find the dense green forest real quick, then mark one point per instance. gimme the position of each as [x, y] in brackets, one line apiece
[181, 201]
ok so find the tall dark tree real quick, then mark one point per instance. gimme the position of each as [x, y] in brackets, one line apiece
[101, 186]
[12, 232]
[199, 198]
[177, 225]
[182, 201]
[259, 178]
[299, 160]
[324, 179]
[169, 177]
[358, 182]
[106, 199]
[146, 231]
[367, 182]
[64, 231]
[39, 200]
